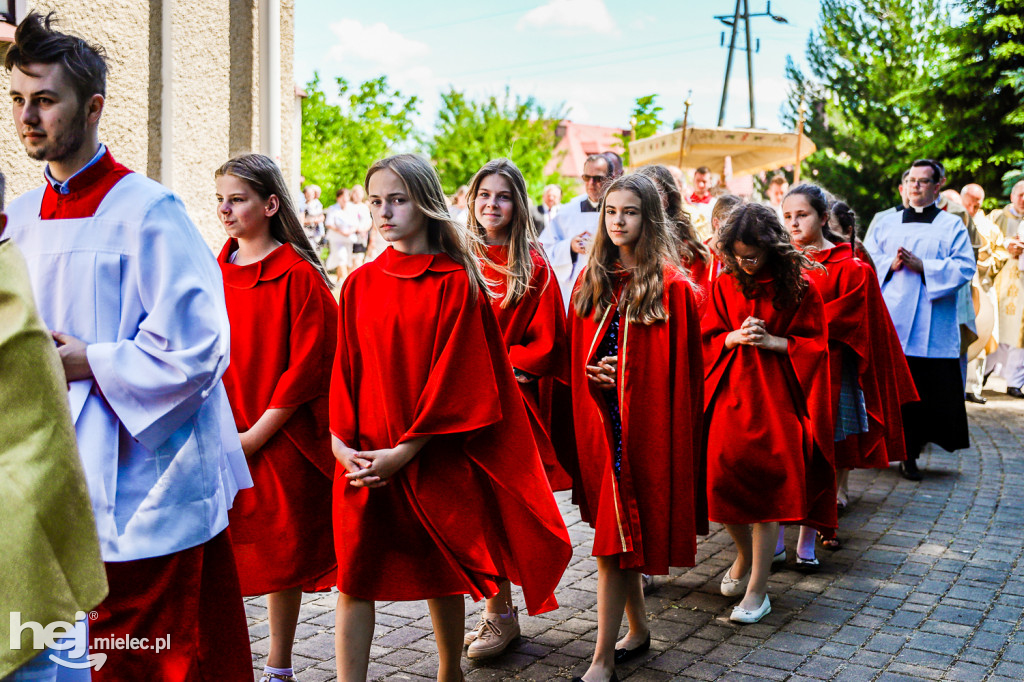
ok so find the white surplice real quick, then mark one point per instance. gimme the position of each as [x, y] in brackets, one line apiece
[923, 307]
[569, 223]
[155, 431]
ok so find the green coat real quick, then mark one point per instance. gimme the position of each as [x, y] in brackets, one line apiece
[50, 564]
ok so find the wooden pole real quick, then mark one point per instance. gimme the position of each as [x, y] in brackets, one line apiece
[682, 133]
[799, 138]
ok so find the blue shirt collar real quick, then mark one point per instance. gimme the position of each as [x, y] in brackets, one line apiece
[65, 187]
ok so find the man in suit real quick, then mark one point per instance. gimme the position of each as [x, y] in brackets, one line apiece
[544, 213]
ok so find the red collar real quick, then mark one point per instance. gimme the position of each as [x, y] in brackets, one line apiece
[88, 189]
[694, 199]
[276, 264]
[406, 266]
[839, 252]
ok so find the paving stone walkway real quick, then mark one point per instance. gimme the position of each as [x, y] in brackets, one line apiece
[929, 585]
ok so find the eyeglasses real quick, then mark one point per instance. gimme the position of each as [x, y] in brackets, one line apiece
[748, 261]
[594, 178]
[920, 181]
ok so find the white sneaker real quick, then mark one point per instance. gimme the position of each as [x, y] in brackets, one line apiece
[743, 616]
[475, 632]
[734, 587]
[495, 635]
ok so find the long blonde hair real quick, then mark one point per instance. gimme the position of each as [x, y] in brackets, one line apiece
[444, 233]
[642, 299]
[522, 234]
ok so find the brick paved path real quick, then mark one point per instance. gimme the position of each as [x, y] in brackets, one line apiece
[929, 584]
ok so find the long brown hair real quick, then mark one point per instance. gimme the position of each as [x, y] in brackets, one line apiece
[642, 299]
[444, 233]
[690, 248]
[522, 234]
[262, 174]
[757, 225]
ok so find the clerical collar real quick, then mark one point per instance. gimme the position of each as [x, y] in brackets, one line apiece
[920, 214]
[65, 187]
[587, 207]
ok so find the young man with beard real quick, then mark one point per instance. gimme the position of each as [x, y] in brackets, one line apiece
[136, 304]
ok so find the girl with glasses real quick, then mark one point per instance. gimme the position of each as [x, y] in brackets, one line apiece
[767, 406]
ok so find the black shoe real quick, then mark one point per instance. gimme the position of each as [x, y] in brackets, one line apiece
[974, 398]
[1014, 392]
[623, 655]
[909, 471]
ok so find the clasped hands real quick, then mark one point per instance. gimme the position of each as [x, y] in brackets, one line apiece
[908, 259]
[753, 333]
[1015, 247]
[373, 468]
[602, 374]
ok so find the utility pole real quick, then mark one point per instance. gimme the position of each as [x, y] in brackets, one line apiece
[733, 22]
[728, 61]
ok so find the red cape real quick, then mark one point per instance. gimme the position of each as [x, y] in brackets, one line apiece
[859, 321]
[534, 333]
[418, 355]
[283, 333]
[700, 275]
[768, 415]
[651, 514]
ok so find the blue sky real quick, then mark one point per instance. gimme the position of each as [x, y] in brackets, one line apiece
[595, 56]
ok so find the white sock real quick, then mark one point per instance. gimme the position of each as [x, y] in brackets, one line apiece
[287, 672]
[805, 545]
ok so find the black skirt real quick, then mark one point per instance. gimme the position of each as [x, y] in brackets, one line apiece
[941, 415]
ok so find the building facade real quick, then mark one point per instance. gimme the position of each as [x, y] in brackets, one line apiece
[191, 83]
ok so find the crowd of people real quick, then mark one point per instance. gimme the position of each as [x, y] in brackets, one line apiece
[674, 358]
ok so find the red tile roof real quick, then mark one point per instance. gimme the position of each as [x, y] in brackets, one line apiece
[577, 141]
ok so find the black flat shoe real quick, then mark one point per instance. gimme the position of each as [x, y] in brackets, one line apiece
[909, 471]
[976, 399]
[1014, 392]
[623, 655]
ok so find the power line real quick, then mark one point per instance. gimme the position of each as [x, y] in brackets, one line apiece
[600, 53]
[469, 20]
[617, 61]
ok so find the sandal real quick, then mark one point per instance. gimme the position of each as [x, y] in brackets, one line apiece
[832, 543]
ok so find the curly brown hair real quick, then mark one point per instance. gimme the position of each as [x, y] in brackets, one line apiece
[757, 225]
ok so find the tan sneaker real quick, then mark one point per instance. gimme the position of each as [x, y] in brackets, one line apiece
[475, 632]
[494, 635]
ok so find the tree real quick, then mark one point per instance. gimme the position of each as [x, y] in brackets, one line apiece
[978, 114]
[340, 141]
[468, 134]
[645, 122]
[867, 60]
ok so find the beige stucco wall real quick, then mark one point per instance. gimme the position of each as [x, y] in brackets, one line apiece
[215, 91]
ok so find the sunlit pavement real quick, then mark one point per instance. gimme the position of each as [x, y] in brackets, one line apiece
[928, 584]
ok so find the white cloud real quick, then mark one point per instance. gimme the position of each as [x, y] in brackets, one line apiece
[587, 16]
[374, 43]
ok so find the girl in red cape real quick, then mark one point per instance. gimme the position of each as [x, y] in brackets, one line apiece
[441, 491]
[869, 373]
[719, 214]
[767, 406]
[283, 325]
[637, 401]
[528, 306]
[694, 255]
